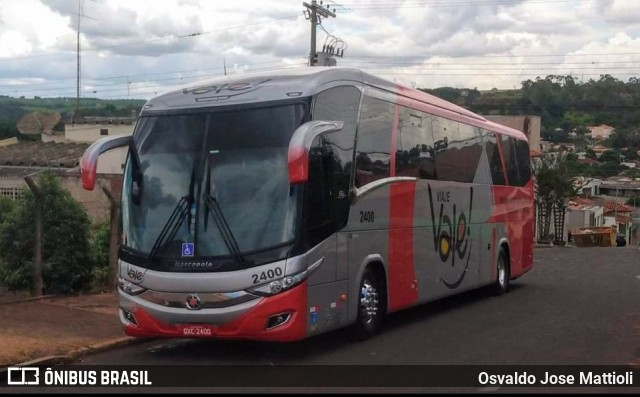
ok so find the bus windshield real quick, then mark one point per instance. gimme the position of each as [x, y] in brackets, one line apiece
[210, 185]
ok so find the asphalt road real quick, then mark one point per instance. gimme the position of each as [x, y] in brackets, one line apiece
[577, 306]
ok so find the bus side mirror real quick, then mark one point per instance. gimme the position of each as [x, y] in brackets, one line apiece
[300, 145]
[89, 162]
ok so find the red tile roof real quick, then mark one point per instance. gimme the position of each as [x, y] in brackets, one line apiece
[583, 201]
[611, 206]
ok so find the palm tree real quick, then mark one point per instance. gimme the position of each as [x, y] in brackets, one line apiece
[554, 186]
[543, 171]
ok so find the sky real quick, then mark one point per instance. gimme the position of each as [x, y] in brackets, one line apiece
[140, 48]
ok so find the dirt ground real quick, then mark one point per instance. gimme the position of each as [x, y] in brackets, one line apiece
[55, 326]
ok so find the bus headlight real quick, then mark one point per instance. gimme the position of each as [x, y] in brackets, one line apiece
[280, 285]
[129, 287]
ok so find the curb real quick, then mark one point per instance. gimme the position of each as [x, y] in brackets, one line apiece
[40, 362]
[37, 298]
[103, 346]
[73, 355]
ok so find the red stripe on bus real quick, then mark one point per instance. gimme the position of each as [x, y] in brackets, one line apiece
[403, 288]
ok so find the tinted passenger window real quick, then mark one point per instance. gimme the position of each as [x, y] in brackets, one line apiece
[321, 203]
[509, 156]
[331, 164]
[495, 164]
[340, 104]
[458, 149]
[374, 141]
[414, 147]
[524, 162]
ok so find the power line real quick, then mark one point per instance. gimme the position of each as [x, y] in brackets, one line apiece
[155, 88]
[403, 60]
[103, 78]
[438, 64]
[447, 4]
[486, 74]
[521, 68]
[494, 56]
[62, 86]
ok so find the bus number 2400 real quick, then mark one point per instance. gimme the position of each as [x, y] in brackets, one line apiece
[267, 275]
[367, 216]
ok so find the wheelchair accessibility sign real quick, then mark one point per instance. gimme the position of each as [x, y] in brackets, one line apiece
[188, 249]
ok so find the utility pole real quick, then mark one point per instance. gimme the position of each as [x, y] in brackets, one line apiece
[39, 243]
[80, 16]
[78, 63]
[314, 13]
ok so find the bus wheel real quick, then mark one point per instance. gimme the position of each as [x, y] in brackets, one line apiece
[502, 269]
[370, 310]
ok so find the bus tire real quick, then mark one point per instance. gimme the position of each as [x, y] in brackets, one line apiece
[501, 285]
[370, 305]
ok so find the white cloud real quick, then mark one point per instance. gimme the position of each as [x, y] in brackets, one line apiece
[466, 45]
[13, 44]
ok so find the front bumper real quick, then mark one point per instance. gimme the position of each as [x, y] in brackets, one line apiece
[247, 320]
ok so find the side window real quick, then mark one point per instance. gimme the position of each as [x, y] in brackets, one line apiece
[495, 164]
[374, 141]
[340, 104]
[414, 146]
[443, 131]
[319, 196]
[458, 149]
[469, 146]
[524, 162]
[331, 164]
[509, 156]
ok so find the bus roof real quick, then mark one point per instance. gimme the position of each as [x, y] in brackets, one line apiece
[300, 82]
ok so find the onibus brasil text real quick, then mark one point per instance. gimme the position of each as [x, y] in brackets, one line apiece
[64, 377]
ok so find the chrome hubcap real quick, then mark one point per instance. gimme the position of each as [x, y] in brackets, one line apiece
[368, 301]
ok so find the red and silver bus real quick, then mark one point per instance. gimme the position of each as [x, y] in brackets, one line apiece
[280, 206]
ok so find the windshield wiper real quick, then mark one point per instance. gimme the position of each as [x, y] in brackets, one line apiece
[181, 211]
[227, 235]
[170, 229]
[212, 207]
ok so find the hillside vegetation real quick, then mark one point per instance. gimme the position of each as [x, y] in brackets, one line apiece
[565, 104]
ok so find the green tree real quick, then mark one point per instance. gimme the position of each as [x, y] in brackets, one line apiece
[564, 189]
[610, 156]
[66, 252]
[6, 207]
[543, 188]
[634, 201]
[100, 250]
[554, 186]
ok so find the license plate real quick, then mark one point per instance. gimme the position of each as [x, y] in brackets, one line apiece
[197, 330]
